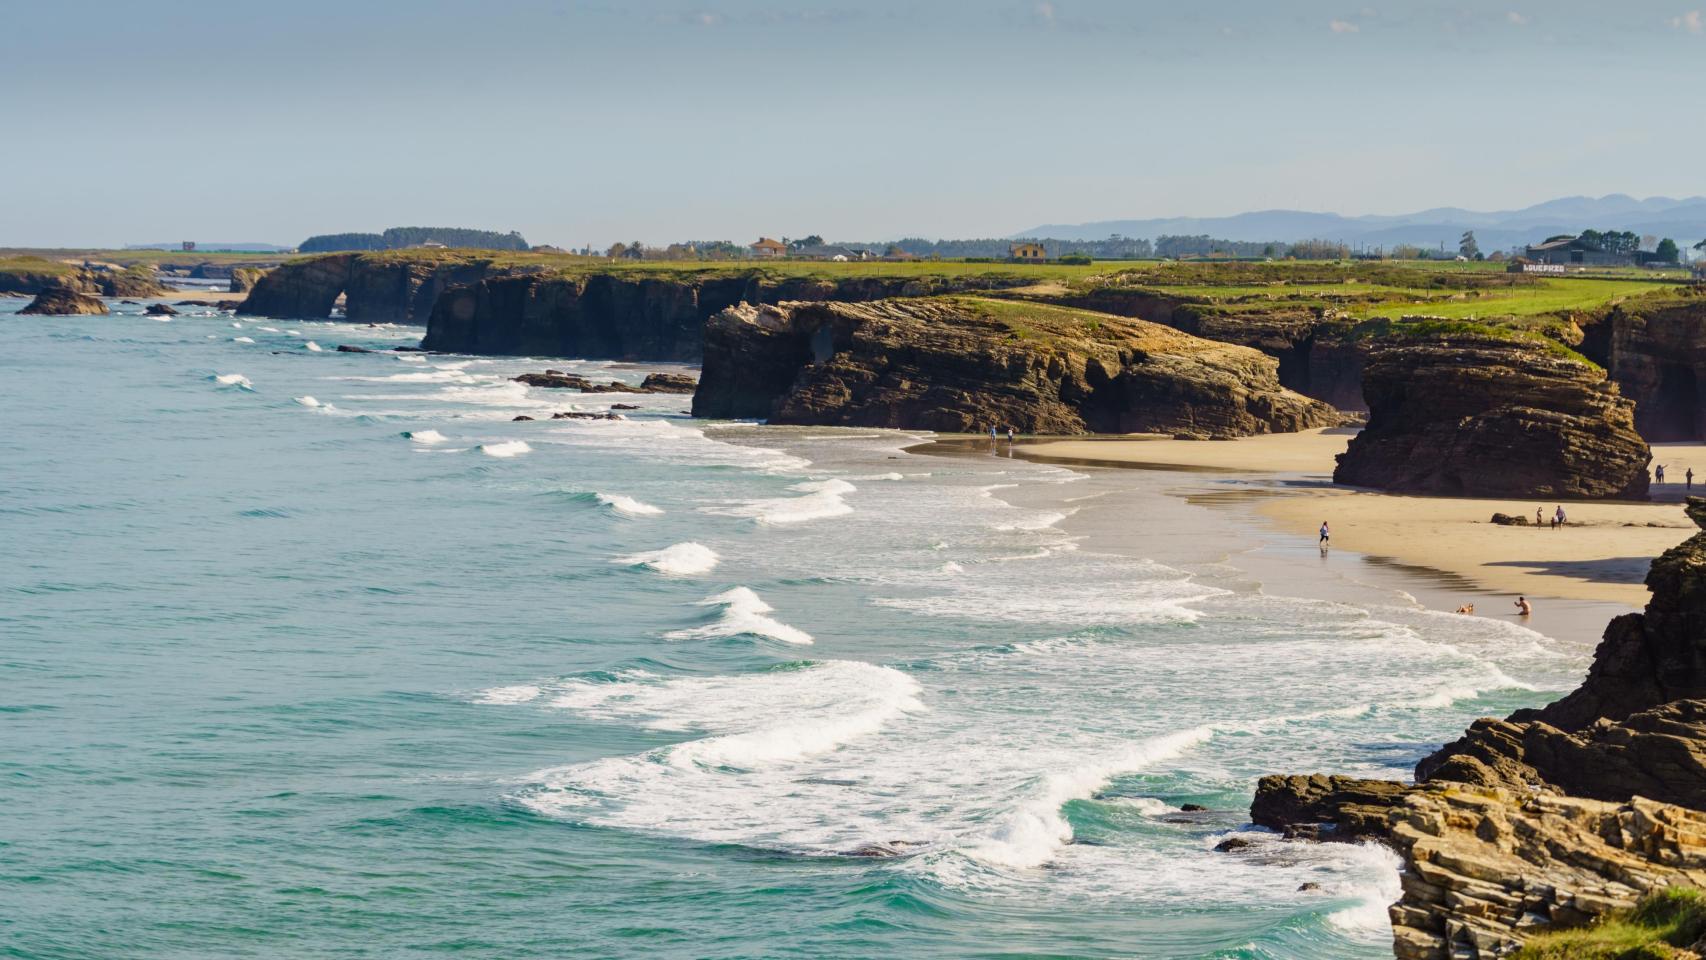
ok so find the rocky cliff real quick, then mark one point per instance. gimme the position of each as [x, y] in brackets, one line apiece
[1317, 353]
[377, 288]
[1654, 348]
[243, 279]
[629, 315]
[1553, 817]
[966, 363]
[1472, 414]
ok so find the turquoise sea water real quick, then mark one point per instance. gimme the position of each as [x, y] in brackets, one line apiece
[308, 654]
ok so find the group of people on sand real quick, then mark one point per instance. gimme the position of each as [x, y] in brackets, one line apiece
[1559, 518]
[1687, 476]
[994, 435]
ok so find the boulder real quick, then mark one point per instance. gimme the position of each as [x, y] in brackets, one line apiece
[1481, 416]
[579, 415]
[346, 348]
[64, 302]
[1506, 520]
[961, 364]
[1319, 807]
[554, 379]
[160, 310]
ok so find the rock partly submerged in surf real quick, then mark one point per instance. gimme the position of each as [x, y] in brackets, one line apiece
[347, 348]
[64, 302]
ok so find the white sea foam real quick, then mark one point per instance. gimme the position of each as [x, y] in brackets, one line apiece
[236, 326]
[505, 449]
[242, 339]
[679, 560]
[1035, 831]
[743, 613]
[628, 506]
[268, 329]
[234, 380]
[309, 402]
[1148, 806]
[1492, 678]
[520, 693]
[821, 499]
[424, 436]
[312, 347]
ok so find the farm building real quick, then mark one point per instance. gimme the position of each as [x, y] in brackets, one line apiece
[1575, 250]
[1027, 251]
[766, 247]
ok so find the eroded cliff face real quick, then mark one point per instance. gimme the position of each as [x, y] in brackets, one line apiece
[1655, 350]
[1467, 415]
[1553, 817]
[961, 364]
[1317, 355]
[376, 289]
[633, 316]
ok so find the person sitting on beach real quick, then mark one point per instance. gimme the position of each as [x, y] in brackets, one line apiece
[1468, 608]
[1325, 535]
[1523, 608]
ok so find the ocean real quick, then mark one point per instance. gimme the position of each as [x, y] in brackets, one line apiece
[319, 654]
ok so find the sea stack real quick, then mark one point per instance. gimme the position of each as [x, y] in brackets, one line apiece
[963, 364]
[1480, 415]
[64, 302]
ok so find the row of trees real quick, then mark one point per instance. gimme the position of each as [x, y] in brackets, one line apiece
[398, 238]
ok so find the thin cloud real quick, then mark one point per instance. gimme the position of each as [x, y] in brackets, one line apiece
[1692, 21]
[1516, 19]
[1343, 26]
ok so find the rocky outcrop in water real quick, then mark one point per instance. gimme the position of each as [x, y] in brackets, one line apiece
[654, 383]
[64, 302]
[635, 316]
[961, 364]
[1471, 415]
[1551, 817]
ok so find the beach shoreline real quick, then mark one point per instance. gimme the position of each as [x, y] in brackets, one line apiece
[1439, 553]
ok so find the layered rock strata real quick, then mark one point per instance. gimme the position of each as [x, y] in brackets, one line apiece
[375, 288]
[960, 364]
[1468, 415]
[1553, 817]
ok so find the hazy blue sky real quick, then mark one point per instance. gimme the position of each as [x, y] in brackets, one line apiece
[590, 122]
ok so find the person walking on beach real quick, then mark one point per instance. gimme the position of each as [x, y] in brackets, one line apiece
[1659, 473]
[1009, 435]
[1688, 478]
[1558, 518]
[1523, 608]
[1325, 534]
[1538, 522]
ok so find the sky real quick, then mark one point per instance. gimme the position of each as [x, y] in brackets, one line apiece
[586, 123]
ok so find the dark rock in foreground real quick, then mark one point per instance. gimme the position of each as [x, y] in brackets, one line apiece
[1481, 416]
[1554, 817]
[963, 364]
[64, 302]
[160, 310]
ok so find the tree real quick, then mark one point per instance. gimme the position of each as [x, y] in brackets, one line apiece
[1666, 252]
[616, 250]
[808, 242]
[1466, 246]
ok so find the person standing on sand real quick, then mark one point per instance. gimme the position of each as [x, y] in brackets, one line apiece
[1009, 436]
[1325, 534]
[1558, 518]
[1523, 608]
[1688, 478]
[1659, 473]
[1538, 523]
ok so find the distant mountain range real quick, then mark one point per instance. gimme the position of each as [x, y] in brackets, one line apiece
[1683, 220]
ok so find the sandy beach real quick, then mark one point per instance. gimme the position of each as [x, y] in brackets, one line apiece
[1602, 554]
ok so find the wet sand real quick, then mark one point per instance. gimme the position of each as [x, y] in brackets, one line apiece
[1602, 554]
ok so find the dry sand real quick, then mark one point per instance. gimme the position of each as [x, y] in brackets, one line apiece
[1601, 554]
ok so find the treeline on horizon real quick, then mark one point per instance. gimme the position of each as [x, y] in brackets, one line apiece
[398, 238]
